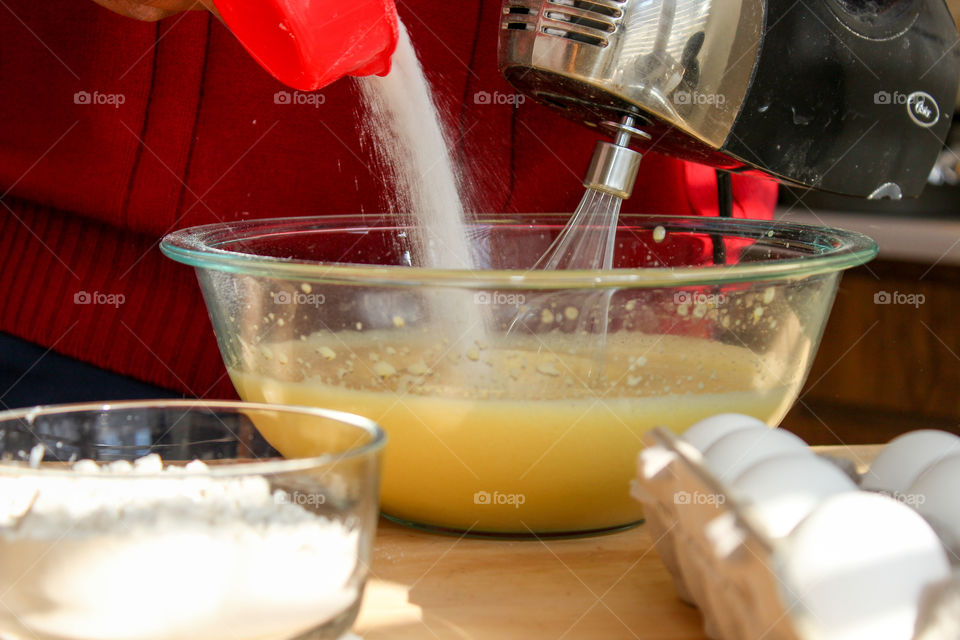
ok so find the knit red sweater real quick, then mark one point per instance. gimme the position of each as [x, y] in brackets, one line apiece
[113, 133]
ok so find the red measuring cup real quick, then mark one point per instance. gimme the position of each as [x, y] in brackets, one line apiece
[308, 44]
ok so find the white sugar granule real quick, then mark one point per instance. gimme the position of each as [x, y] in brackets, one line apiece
[114, 556]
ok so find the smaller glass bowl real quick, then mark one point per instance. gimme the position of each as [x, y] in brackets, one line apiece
[245, 546]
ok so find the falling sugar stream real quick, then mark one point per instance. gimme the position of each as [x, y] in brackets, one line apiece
[410, 143]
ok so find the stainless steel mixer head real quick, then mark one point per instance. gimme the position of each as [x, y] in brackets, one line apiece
[841, 95]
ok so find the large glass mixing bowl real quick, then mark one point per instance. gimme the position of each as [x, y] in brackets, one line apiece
[515, 400]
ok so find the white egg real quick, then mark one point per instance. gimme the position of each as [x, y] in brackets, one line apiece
[704, 433]
[905, 457]
[934, 495]
[781, 491]
[856, 567]
[736, 452]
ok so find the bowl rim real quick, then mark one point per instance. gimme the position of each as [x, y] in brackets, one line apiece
[199, 247]
[272, 466]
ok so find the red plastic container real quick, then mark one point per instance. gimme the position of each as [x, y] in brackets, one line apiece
[308, 44]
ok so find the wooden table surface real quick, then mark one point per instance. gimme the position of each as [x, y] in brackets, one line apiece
[428, 586]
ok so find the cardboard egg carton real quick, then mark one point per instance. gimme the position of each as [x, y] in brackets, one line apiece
[722, 562]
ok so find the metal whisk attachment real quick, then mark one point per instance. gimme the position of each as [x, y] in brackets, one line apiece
[587, 241]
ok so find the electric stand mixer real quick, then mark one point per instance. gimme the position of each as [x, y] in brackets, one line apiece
[849, 96]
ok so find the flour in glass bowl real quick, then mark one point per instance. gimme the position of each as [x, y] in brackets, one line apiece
[174, 554]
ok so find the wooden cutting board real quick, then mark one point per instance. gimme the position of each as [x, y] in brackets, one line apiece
[428, 586]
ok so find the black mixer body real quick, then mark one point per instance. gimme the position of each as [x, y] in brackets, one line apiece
[849, 96]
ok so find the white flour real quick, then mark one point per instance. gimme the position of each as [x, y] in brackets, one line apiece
[120, 557]
[409, 140]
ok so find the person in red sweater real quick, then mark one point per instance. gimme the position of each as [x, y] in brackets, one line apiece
[114, 132]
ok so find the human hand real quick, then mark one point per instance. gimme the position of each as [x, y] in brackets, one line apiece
[152, 10]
